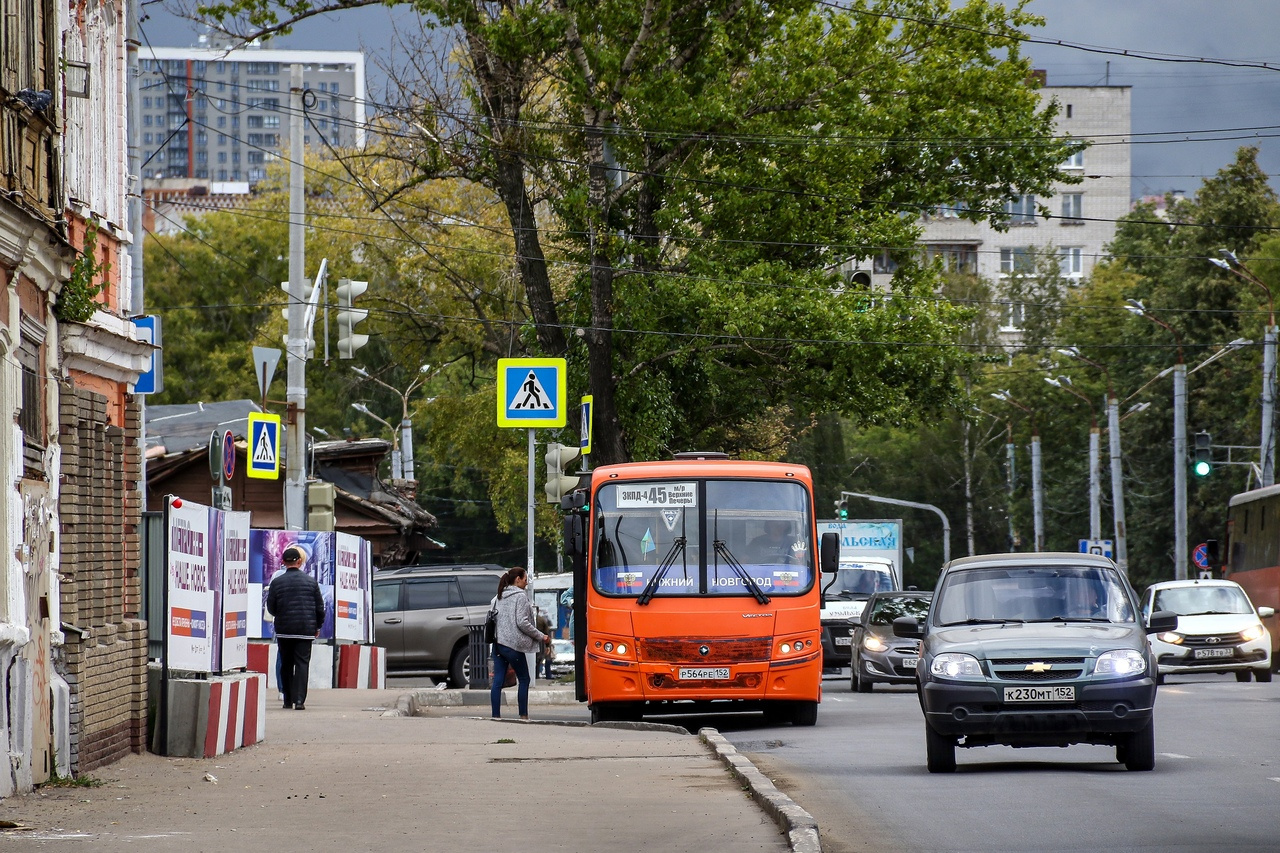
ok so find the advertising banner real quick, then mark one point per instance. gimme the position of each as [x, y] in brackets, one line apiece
[235, 590]
[350, 613]
[192, 609]
[265, 548]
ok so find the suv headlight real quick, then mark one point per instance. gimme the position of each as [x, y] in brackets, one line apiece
[1251, 634]
[1120, 663]
[956, 665]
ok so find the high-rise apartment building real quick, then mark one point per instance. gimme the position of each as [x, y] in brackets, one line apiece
[1082, 216]
[222, 115]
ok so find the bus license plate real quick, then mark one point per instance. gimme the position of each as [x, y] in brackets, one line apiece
[1040, 694]
[704, 673]
[844, 641]
[1214, 653]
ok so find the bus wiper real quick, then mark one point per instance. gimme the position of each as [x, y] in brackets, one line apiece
[722, 550]
[677, 548]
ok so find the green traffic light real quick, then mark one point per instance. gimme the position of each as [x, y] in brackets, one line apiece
[1202, 469]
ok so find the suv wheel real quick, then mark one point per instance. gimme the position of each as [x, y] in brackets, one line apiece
[941, 751]
[460, 667]
[1137, 751]
[1242, 675]
[1262, 674]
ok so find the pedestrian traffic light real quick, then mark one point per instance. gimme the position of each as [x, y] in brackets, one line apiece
[842, 509]
[348, 340]
[1202, 460]
[558, 483]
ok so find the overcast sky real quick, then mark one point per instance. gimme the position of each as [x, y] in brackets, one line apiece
[1187, 115]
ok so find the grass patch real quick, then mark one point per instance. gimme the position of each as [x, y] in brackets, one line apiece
[56, 781]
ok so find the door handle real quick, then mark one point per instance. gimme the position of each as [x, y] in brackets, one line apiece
[454, 618]
[394, 620]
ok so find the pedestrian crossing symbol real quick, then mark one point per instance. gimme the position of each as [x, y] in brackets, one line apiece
[264, 446]
[531, 392]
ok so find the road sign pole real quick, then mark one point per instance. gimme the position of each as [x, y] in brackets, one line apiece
[528, 543]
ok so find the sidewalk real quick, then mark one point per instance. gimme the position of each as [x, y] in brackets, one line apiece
[356, 772]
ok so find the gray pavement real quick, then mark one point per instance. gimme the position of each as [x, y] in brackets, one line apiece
[391, 770]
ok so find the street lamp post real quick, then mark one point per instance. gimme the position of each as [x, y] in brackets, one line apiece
[405, 464]
[1095, 456]
[1037, 498]
[1113, 449]
[396, 470]
[1267, 441]
[1136, 307]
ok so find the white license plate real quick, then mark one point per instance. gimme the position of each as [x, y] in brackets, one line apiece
[910, 663]
[1040, 694]
[712, 673]
[844, 641]
[1201, 654]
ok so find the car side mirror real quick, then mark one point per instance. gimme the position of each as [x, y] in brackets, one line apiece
[909, 627]
[574, 531]
[1265, 612]
[1161, 621]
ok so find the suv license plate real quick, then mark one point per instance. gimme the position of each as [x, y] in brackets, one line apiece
[1213, 653]
[711, 673]
[910, 663]
[1040, 694]
[844, 641]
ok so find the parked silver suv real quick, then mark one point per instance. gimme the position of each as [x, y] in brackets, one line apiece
[422, 616]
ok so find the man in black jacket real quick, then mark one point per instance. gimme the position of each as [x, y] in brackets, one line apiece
[294, 599]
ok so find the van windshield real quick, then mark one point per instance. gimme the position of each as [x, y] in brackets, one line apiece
[854, 581]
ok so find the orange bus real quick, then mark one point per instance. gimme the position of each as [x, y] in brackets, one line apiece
[1253, 553]
[696, 581]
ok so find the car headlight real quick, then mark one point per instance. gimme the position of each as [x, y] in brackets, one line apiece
[1249, 634]
[873, 643]
[1120, 663]
[1173, 638]
[956, 665]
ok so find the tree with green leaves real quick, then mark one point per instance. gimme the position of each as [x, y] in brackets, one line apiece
[681, 181]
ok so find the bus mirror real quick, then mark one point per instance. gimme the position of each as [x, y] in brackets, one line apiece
[574, 535]
[829, 555]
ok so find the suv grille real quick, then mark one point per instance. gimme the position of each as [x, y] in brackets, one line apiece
[1017, 669]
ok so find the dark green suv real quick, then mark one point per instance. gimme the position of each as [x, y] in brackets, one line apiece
[422, 616]
[1036, 650]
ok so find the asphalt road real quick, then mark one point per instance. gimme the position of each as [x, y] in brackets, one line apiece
[861, 773]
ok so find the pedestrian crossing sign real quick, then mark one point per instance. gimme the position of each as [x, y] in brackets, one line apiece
[531, 392]
[264, 446]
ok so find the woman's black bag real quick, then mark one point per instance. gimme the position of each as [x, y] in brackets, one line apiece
[491, 626]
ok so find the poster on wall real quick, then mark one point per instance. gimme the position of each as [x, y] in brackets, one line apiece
[350, 611]
[192, 602]
[235, 590]
[265, 548]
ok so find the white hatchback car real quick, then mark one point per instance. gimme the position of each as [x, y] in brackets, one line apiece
[1218, 629]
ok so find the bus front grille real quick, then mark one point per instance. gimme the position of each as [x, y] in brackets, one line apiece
[705, 651]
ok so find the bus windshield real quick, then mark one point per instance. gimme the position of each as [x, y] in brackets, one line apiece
[702, 537]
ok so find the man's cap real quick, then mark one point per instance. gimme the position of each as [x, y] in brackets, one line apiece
[293, 552]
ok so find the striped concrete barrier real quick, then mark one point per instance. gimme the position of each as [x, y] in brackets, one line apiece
[362, 667]
[215, 716]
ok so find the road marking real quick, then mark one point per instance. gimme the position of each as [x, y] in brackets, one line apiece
[1174, 755]
[1274, 778]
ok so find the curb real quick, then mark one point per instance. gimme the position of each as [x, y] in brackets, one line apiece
[798, 824]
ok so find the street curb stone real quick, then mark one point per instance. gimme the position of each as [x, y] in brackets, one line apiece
[798, 824]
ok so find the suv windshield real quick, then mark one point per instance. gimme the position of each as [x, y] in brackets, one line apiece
[1031, 594]
[702, 537]
[1200, 600]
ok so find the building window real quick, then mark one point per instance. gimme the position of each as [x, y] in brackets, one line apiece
[270, 121]
[257, 174]
[222, 121]
[1072, 208]
[956, 258]
[222, 156]
[1075, 161]
[1071, 262]
[222, 174]
[1015, 314]
[1021, 210]
[31, 414]
[1016, 260]
[254, 121]
[884, 264]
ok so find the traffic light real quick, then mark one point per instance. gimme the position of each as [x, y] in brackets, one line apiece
[1202, 459]
[348, 340]
[842, 509]
[558, 483]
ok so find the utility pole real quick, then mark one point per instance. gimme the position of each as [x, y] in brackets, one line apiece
[295, 482]
[1037, 496]
[1095, 456]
